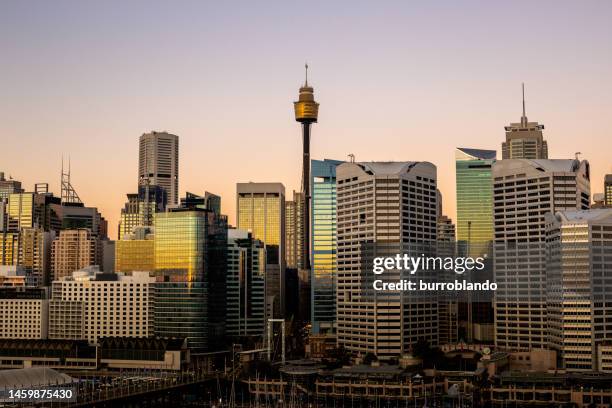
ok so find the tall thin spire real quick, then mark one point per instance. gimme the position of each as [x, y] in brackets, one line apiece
[524, 117]
[306, 66]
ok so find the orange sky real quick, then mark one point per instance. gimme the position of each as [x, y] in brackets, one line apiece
[395, 82]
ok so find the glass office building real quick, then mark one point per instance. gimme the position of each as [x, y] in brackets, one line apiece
[323, 208]
[190, 266]
[261, 210]
[474, 200]
[135, 255]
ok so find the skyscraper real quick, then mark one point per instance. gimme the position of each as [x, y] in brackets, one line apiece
[294, 237]
[158, 162]
[261, 210]
[475, 234]
[140, 209]
[130, 216]
[524, 192]
[245, 284]
[474, 199]
[384, 209]
[324, 247]
[579, 286]
[524, 140]
[190, 266]
[33, 210]
[608, 190]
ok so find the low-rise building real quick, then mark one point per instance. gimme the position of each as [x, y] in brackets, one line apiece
[91, 305]
[23, 312]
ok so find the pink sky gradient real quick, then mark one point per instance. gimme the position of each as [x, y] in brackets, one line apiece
[395, 81]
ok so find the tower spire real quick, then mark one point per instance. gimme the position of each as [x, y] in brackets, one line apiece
[524, 117]
[306, 67]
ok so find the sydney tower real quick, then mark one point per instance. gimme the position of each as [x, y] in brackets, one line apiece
[306, 112]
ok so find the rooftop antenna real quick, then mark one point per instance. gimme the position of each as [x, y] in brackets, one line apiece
[306, 66]
[69, 194]
[351, 157]
[524, 117]
[577, 154]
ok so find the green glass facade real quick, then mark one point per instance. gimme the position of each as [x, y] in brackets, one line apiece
[323, 282]
[474, 200]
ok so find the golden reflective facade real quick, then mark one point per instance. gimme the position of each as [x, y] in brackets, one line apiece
[260, 213]
[21, 211]
[134, 255]
[180, 244]
[28, 249]
[9, 248]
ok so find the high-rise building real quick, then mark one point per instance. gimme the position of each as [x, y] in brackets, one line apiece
[158, 163]
[448, 305]
[91, 305]
[323, 254]
[136, 251]
[261, 210]
[608, 190]
[245, 284]
[130, 216]
[30, 249]
[140, 209]
[73, 250]
[579, 286]
[33, 210]
[475, 235]
[190, 266]
[8, 187]
[524, 191]
[474, 200]
[78, 216]
[524, 140]
[23, 313]
[33, 219]
[383, 209]
[3, 216]
[294, 238]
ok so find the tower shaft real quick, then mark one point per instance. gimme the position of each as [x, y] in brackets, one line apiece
[306, 191]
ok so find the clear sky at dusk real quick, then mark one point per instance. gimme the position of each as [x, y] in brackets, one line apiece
[395, 80]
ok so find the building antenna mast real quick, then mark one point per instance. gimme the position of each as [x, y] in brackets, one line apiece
[69, 194]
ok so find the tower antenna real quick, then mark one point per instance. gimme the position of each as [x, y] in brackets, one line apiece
[523, 86]
[306, 66]
[524, 117]
[69, 194]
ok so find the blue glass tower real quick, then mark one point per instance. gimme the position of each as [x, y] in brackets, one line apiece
[323, 209]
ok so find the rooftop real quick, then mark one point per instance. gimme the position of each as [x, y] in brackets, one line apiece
[594, 214]
[465, 153]
[27, 377]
